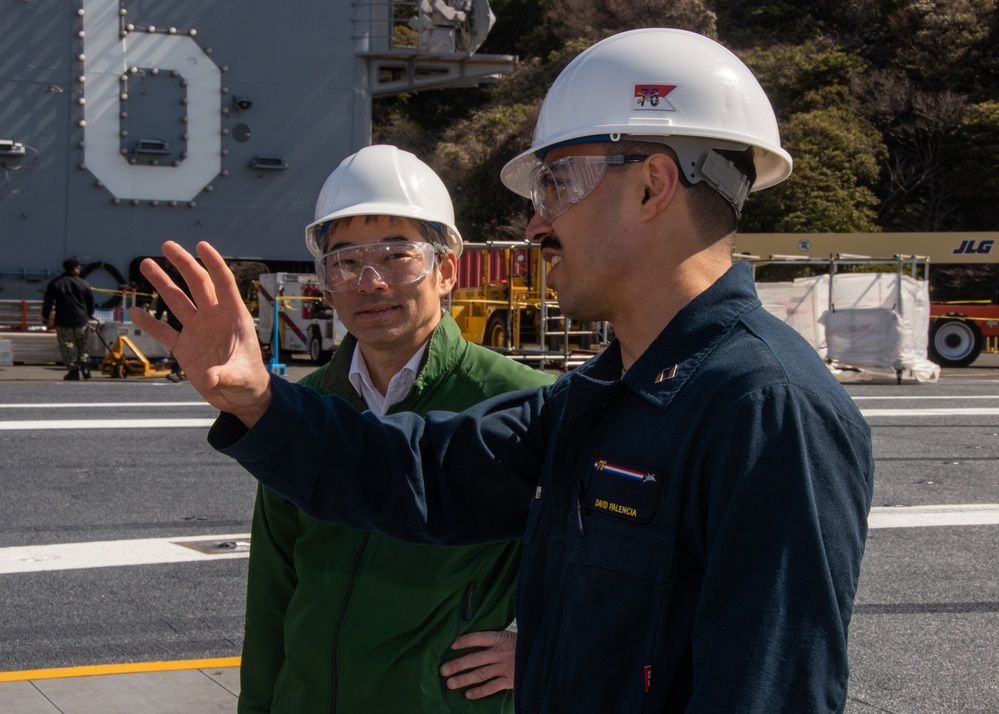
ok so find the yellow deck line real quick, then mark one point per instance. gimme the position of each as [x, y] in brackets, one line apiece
[127, 668]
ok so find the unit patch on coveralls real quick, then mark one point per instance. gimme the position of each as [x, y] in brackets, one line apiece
[623, 490]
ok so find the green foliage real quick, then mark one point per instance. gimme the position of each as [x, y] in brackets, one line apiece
[798, 77]
[467, 136]
[974, 173]
[749, 23]
[469, 160]
[888, 107]
[934, 38]
[571, 19]
[816, 199]
[836, 152]
[838, 138]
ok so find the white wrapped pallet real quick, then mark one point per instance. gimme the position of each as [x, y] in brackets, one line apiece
[859, 320]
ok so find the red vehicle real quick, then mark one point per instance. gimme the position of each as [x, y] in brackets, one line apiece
[959, 331]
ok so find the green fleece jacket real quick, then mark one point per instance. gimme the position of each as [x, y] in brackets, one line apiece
[339, 620]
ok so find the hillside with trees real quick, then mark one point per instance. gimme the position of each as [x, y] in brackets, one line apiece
[890, 108]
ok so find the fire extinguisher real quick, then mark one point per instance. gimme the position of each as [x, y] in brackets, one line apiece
[309, 305]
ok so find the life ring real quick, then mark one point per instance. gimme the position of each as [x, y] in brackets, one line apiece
[115, 299]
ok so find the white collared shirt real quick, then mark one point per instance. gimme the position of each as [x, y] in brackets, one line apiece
[398, 387]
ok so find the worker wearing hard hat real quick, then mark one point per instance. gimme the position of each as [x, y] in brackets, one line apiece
[343, 620]
[694, 499]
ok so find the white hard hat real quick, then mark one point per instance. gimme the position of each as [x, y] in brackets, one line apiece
[383, 180]
[679, 87]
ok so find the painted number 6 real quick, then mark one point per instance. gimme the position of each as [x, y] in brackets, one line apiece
[107, 56]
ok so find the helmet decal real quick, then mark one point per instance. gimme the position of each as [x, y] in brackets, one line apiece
[653, 96]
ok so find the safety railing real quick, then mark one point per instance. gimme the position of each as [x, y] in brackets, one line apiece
[26, 315]
[21, 315]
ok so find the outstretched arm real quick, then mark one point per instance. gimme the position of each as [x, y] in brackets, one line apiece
[218, 346]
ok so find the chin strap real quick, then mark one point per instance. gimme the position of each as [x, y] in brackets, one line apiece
[722, 175]
[699, 163]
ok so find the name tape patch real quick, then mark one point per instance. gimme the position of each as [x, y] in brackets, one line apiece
[623, 490]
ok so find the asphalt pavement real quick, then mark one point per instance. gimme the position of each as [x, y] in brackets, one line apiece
[159, 638]
[986, 366]
[295, 369]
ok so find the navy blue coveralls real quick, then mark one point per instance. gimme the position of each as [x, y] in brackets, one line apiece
[693, 531]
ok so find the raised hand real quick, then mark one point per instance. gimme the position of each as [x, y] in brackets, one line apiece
[217, 347]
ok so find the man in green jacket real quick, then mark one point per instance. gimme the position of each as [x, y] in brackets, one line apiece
[339, 620]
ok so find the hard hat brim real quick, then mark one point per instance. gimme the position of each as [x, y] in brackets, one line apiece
[773, 164]
[314, 243]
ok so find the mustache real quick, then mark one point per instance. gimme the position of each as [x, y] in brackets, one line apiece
[552, 242]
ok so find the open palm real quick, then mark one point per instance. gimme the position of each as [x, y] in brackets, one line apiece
[217, 347]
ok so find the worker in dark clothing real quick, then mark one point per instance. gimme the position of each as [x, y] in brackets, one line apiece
[73, 301]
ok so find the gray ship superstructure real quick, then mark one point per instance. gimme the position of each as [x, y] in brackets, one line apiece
[127, 123]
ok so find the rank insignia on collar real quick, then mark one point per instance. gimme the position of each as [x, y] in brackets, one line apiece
[666, 374]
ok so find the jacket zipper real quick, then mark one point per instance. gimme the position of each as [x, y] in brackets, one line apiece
[465, 614]
[468, 610]
[355, 567]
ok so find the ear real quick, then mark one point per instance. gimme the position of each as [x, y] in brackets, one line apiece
[448, 271]
[662, 177]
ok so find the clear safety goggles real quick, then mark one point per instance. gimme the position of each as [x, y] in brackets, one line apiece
[557, 186]
[393, 263]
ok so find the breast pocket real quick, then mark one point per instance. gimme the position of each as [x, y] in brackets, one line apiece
[626, 491]
[615, 591]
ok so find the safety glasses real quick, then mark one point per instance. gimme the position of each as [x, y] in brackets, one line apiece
[557, 186]
[393, 263]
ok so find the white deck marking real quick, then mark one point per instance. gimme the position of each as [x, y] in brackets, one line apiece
[911, 398]
[102, 405]
[973, 514]
[152, 551]
[103, 554]
[29, 425]
[969, 411]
